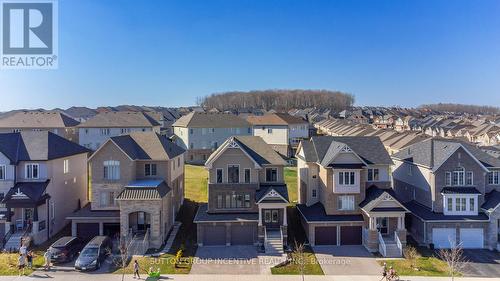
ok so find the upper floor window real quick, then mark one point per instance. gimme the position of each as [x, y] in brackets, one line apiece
[469, 178]
[219, 175]
[191, 131]
[105, 131]
[233, 201]
[191, 146]
[3, 170]
[271, 174]
[346, 203]
[269, 130]
[247, 175]
[150, 170]
[314, 193]
[459, 177]
[347, 178]
[32, 171]
[66, 166]
[460, 204]
[493, 177]
[112, 170]
[373, 174]
[233, 173]
[125, 130]
[16, 130]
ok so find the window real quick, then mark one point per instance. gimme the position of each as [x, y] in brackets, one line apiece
[469, 178]
[458, 177]
[450, 204]
[271, 174]
[247, 200]
[105, 132]
[215, 145]
[233, 173]
[52, 210]
[32, 171]
[472, 205]
[191, 131]
[460, 204]
[112, 170]
[373, 174]
[314, 193]
[3, 171]
[125, 130]
[220, 201]
[111, 198]
[219, 175]
[247, 175]
[191, 146]
[150, 170]
[493, 177]
[346, 203]
[346, 178]
[66, 166]
[447, 180]
[269, 130]
[233, 201]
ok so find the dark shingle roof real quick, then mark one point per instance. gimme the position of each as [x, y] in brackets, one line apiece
[144, 190]
[316, 213]
[275, 119]
[434, 152]
[34, 191]
[203, 216]
[491, 200]
[37, 119]
[428, 215]
[324, 148]
[126, 119]
[459, 190]
[266, 188]
[147, 146]
[86, 212]
[373, 193]
[37, 146]
[211, 120]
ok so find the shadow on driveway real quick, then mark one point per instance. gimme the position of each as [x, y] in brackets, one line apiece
[346, 260]
[482, 263]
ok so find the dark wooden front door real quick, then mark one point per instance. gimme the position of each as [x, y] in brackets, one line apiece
[271, 218]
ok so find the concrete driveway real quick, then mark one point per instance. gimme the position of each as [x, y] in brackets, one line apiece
[346, 260]
[482, 263]
[232, 260]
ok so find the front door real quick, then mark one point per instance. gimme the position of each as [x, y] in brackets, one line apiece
[271, 218]
[141, 221]
[28, 216]
[383, 226]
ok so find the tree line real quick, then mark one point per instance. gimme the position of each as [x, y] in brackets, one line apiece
[462, 108]
[280, 100]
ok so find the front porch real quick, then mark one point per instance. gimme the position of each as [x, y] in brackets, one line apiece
[385, 234]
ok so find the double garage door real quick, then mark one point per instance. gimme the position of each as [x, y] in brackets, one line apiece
[240, 235]
[327, 235]
[470, 238]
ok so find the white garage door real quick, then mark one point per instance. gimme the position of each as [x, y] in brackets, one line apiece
[471, 238]
[443, 238]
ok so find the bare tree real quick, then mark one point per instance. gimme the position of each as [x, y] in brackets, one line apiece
[455, 259]
[299, 258]
[122, 258]
[411, 254]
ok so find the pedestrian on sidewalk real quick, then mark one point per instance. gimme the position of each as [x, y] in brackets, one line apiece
[384, 272]
[29, 258]
[21, 263]
[48, 259]
[136, 269]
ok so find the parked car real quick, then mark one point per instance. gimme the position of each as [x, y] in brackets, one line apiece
[65, 249]
[94, 253]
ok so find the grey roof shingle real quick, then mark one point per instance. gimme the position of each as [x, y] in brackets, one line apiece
[459, 190]
[373, 193]
[35, 191]
[275, 119]
[491, 200]
[147, 146]
[120, 119]
[203, 216]
[87, 212]
[316, 213]
[428, 215]
[433, 152]
[37, 119]
[266, 188]
[37, 146]
[144, 190]
[211, 120]
[323, 148]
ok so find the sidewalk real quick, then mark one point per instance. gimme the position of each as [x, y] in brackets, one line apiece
[192, 277]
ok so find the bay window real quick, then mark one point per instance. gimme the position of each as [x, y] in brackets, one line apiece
[460, 204]
[373, 174]
[346, 178]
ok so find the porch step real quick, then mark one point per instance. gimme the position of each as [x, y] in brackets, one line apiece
[392, 251]
[274, 244]
[14, 242]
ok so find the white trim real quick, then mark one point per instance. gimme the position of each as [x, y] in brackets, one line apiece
[215, 155]
[277, 193]
[467, 151]
[104, 144]
[37, 171]
[384, 196]
[4, 172]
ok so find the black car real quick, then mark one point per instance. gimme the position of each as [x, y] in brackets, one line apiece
[65, 249]
[94, 253]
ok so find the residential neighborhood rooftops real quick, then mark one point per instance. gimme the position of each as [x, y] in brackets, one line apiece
[38, 119]
[37, 146]
[275, 119]
[147, 146]
[211, 120]
[120, 119]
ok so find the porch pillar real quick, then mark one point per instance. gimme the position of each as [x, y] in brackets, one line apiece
[373, 225]
[101, 229]
[400, 222]
[260, 216]
[35, 213]
[9, 214]
[284, 217]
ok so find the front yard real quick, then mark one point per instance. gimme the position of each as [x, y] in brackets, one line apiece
[8, 263]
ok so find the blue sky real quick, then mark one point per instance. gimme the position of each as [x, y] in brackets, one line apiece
[168, 53]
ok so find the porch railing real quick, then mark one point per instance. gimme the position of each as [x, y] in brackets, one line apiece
[381, 245]
[265, 236]
[398, 242]
[6, 238]
[281, 233]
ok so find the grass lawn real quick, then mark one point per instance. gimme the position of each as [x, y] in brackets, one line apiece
[428, 266]
[196, 186]
[311, 267]
[291, 183]
[8, 263]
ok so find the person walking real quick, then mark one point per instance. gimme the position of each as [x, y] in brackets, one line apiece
[384, 272]
[48, 259]
[21, 263]
[136, 269]
[29, 258]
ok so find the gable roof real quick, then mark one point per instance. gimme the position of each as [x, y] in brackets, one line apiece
[126, 119]
[491, 200]
[38, 119]
[147, 146]
[255, 147]
[323, 148]
[275, 119]
[434, 152]
[265, 189]
[144, 190]
[373, 194]
[37, 146]
[211, 120]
